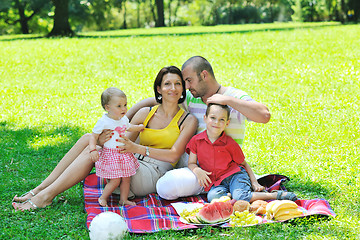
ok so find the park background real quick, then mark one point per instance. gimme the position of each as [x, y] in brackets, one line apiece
[307, 73]
[68, 17]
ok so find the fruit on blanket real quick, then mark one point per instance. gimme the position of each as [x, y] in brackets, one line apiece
[258, 207]
[239, 219]
[215, 212]
[209, 213]
[221, 199]
[241, 205]
[107, 225]
[286, 214]
[190, 216]
[282, 210]
[283, 204]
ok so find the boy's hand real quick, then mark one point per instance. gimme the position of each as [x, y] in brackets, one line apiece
[257, 187]
[202, 177]
[94, 156]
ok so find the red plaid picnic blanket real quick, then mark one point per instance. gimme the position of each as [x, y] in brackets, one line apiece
[152, 213]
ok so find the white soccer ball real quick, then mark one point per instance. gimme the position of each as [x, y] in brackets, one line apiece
[107, 225]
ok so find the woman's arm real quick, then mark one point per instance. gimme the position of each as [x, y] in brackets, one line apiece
[167, 155]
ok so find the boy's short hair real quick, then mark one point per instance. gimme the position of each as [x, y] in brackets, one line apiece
[109, 93]
[225, 107]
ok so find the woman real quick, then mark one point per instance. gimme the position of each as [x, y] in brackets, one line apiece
[161, 145]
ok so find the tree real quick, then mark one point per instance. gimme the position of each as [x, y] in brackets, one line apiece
[61, 19]
[160, 20]
[26, 10]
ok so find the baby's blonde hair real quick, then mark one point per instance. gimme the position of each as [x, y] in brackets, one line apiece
[109, 93]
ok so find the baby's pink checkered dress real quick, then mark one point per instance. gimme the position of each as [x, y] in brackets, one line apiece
[112, 164]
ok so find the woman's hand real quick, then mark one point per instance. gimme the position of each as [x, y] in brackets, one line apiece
[128, 146]
[104, 137]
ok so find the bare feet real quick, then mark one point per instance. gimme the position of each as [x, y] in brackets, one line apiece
[24, 197]
[102, 202]
[127, 202]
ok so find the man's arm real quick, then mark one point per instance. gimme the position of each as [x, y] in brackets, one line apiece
[254, 111]
[147, 102]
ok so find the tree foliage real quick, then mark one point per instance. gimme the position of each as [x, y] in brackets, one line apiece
[65, 17]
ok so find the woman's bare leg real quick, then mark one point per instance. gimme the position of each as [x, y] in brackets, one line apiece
[124, 192]
[109, 188]
[73, 174]
[69, 157]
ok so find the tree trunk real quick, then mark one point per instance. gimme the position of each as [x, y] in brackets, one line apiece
[160, 21]
[124, 7]
[153, 10]
[23, 19]
[169, 13]
[138, 14]
[61, 19]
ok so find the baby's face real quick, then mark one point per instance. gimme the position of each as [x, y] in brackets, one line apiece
[117, 107]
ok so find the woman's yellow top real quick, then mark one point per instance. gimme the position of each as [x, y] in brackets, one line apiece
[161, 138]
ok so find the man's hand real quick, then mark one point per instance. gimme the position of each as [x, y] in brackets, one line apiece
[218, 98]
[104, 137]
[202, 177]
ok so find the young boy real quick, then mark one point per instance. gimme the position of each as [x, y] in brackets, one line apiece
[222, 167]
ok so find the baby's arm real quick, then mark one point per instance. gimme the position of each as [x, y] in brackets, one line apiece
[254, 183]
[94, 155]
[135, 128]
[201, 175]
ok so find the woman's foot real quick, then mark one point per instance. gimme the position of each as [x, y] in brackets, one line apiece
[24, 197]
[31, 204]
[102, 202]
[25, 206]
[127, 202]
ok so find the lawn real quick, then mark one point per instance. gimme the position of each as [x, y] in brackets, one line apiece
[308, 75]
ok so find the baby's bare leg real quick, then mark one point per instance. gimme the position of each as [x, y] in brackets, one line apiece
[109, 188]
[124, 192]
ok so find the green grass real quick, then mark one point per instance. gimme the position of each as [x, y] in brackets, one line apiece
[308, 76]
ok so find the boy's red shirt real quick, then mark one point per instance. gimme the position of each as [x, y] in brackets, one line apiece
[222, 157]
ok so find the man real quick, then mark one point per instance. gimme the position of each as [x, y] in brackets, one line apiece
[203, 89]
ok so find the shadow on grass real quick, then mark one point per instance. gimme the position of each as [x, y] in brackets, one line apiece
[265, 29]
[30, 154]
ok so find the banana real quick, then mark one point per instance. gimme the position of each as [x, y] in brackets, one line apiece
[295, 212]
[286, 214]
[283, 204]
[270, 205]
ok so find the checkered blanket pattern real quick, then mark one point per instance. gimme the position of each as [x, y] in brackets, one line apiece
[152, 213]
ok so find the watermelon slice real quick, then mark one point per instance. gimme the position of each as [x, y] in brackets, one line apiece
[215, 212]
